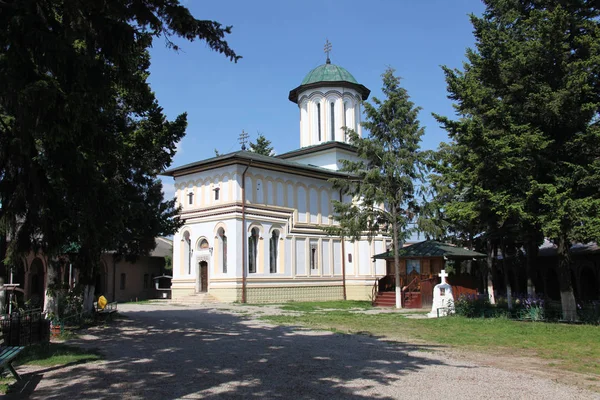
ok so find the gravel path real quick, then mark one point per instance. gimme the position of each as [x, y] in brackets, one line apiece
[168, 352]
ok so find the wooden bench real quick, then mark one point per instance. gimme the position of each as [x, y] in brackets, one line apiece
[107, 311]
[7, 355]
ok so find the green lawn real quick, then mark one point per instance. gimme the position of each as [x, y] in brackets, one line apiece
[570, 347]
[48, 356]
[56, 354]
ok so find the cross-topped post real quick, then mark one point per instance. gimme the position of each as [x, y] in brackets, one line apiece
[327, 49]
[243, 139]
[443, 275]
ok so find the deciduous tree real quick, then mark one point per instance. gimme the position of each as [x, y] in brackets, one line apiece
[82, 136]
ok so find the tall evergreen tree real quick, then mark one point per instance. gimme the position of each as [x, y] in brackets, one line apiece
[262, 146]
[82, 136]
[537, 66]
[383, 190]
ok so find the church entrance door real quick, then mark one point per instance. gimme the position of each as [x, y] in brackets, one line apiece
[203, 276]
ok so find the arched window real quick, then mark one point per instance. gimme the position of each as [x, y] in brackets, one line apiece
[273, 251]
[252, 250]
[345, 122]
[187, 252]
[332, 120]
[319, 120]
[223, 248]
[204, 244]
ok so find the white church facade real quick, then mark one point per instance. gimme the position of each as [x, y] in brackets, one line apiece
[254, 224]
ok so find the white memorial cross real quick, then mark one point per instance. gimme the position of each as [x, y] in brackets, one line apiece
[443, 275]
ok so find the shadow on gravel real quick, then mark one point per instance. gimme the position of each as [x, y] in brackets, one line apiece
[168, 354]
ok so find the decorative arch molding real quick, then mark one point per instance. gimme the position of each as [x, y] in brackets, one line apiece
[307, 97]
[218, 225]
[42, 262]
[185, 228]
[261, 229]
[279, 228]
[199, 243]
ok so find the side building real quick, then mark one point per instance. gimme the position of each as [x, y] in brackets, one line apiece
[117, 280]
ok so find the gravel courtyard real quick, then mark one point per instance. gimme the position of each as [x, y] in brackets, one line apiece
[169, 352]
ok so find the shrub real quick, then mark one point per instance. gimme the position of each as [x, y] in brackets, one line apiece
[472, 305]
[589, 312]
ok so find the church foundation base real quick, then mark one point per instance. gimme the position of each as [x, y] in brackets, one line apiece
[301, 293]
[278, 294]
[178, 292]
[358, 292]
[226, 295]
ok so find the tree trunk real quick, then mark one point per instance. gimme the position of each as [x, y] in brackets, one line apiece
[506, 277]
[396, 259]
[567, 295]
[490, 271]
[88, 299]
[52, 292]
[469, 263]
[532, 252]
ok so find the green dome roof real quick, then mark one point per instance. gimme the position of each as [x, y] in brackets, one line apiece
[328, 73]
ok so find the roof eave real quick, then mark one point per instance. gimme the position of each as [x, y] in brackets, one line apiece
[318, 148]
[237, 158]
[363, 90]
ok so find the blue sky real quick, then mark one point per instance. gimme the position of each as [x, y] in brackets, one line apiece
[281, 41]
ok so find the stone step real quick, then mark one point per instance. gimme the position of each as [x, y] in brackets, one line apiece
[198, 298]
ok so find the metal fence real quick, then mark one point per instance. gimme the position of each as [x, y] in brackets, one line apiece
[26, 328]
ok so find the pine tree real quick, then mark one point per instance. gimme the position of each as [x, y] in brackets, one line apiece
[383, 183]
[262, 146]
[529, 101]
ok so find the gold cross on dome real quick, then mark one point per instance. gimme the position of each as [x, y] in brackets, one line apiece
[327, 49]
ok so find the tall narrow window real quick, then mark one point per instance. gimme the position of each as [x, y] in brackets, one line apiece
[332, 121]
[313, 256]
[273, 251]
[345, 118]
[223, 248]
[187, 251]
[123, 281]
[217, 194]
[190, 198]
[252, 250]
[319, 120]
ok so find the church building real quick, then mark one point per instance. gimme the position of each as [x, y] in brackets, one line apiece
[253, 223]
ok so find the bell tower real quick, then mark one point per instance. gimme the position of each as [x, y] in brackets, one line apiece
[329, 98]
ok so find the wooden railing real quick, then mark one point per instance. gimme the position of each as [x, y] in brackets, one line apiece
[413, 286]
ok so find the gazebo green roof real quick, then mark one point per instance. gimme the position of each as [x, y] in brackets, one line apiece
[328, 73]
[431, 248]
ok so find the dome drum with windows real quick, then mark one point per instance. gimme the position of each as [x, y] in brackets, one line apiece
[329, 98]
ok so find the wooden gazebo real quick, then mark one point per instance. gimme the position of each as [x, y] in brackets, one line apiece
[420, 264]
